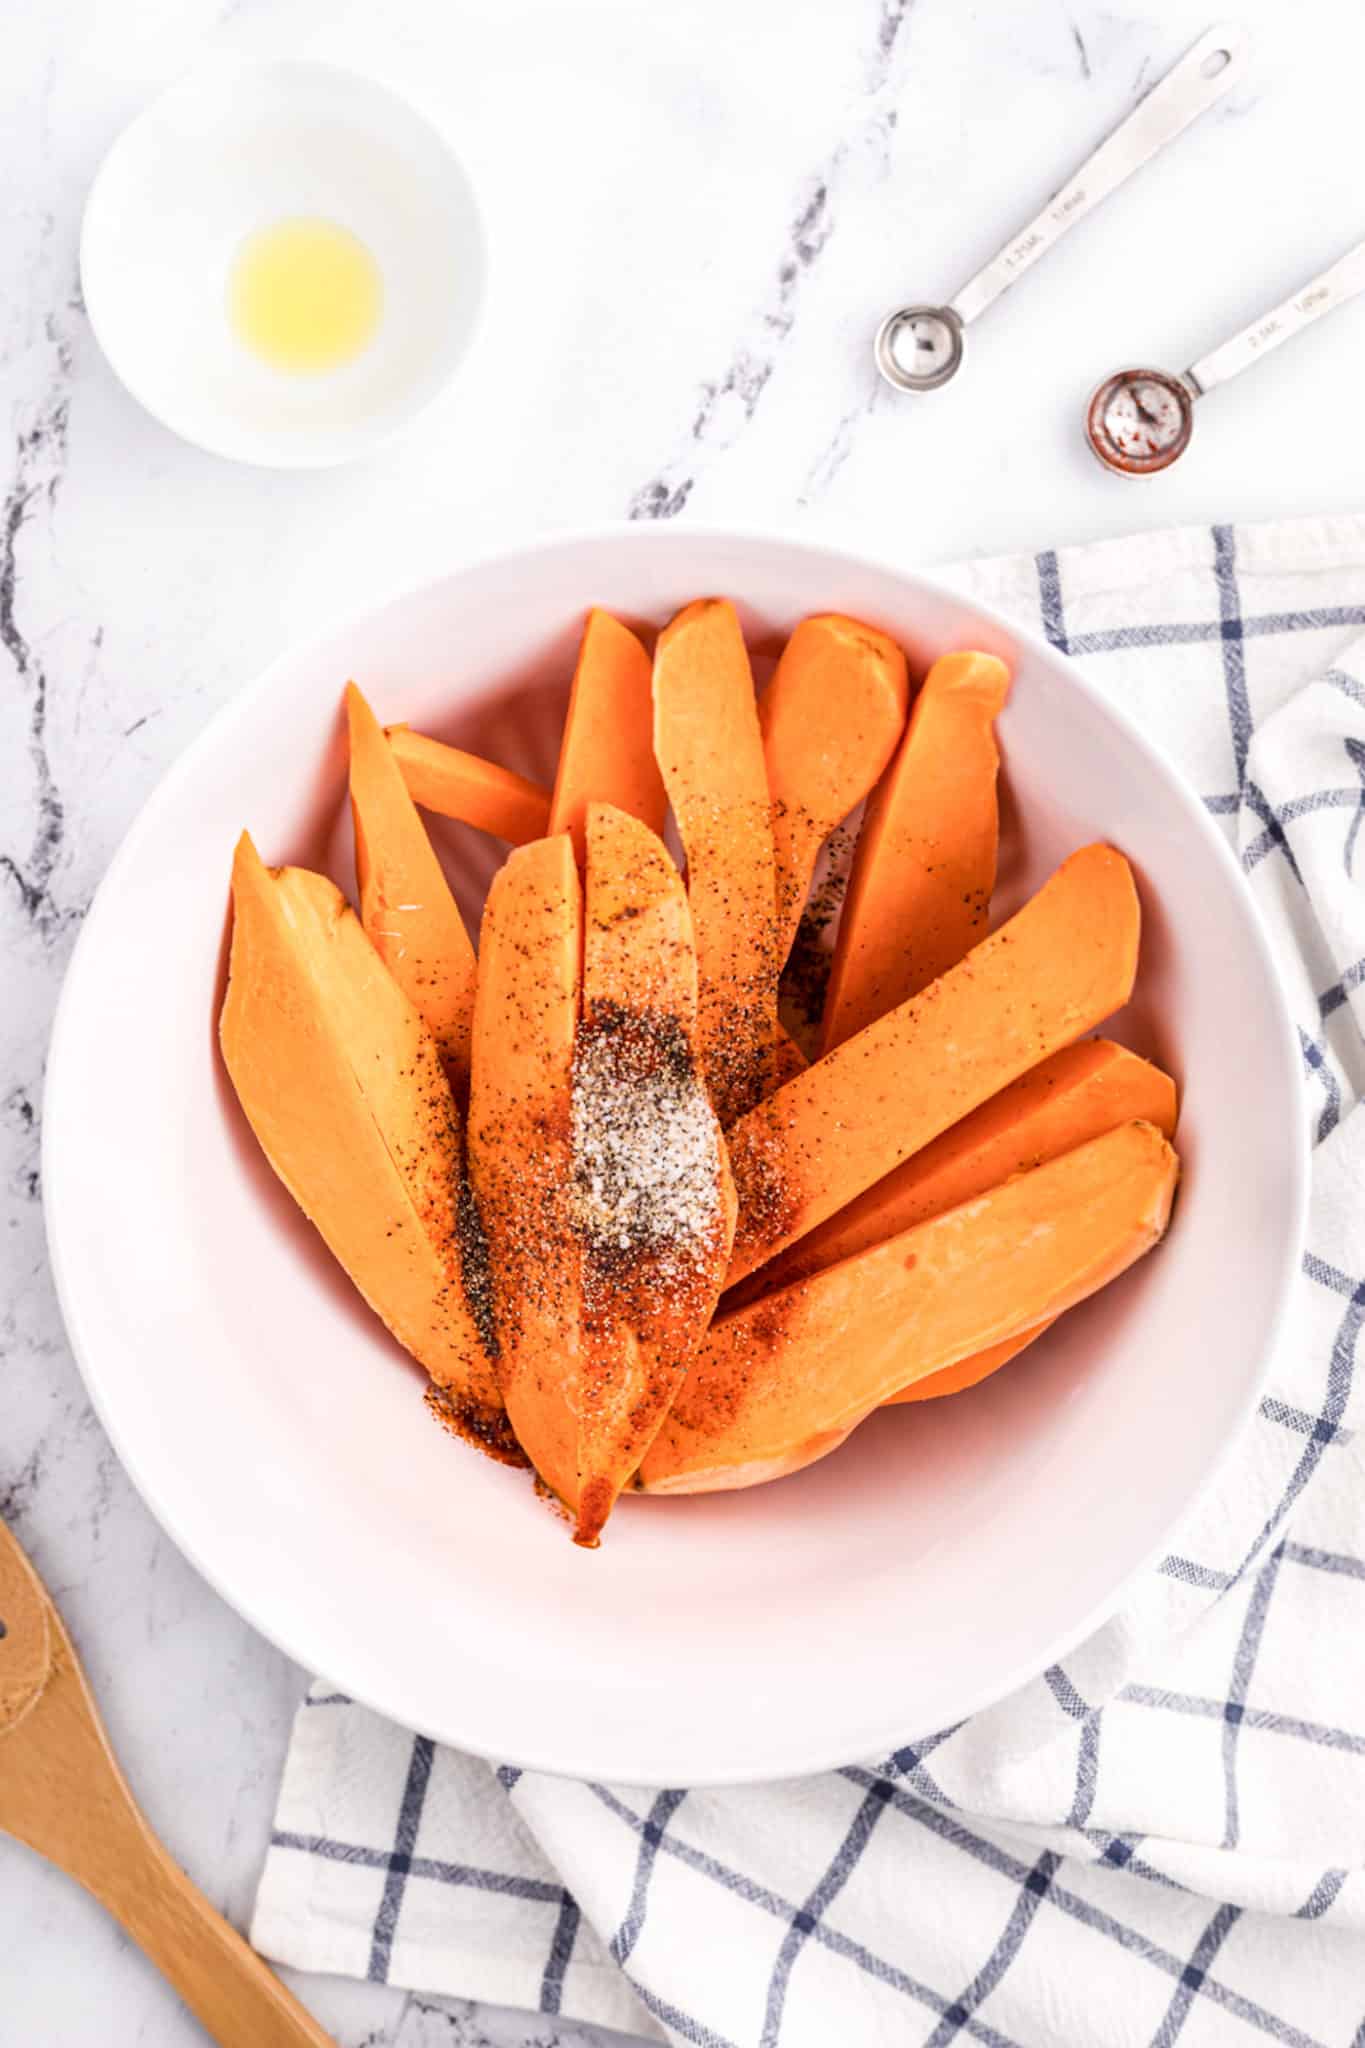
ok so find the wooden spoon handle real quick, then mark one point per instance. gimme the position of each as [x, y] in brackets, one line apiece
[223, 1981]
[62, 1792]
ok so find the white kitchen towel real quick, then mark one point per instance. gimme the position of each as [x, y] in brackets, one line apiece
[1163, 1840]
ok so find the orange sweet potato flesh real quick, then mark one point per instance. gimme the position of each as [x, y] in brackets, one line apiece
[710, 753]
[778, 1383]
[968, 1372]
[656, 1205]
[607, 752]
[831, 718]
[1077, 1093]
[788, 1059]
[919, 890]
[342, 1084]
[464, 786]
[405, 902]
[1060, 966]
[520, 1143]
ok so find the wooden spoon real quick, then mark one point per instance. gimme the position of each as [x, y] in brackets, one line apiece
[63, 1794]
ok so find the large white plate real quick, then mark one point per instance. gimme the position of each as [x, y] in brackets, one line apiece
[947, 1553]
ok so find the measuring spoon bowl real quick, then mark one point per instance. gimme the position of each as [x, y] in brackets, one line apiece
[1139, 421]
[919, 348]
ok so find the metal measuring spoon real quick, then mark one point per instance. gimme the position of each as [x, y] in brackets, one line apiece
[1139, 421]
[920, 347]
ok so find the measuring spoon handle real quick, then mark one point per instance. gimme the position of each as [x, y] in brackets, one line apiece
[1180, 97]
[1343, 281]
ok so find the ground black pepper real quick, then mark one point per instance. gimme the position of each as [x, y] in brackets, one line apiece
[805, 977]
[475, 1422]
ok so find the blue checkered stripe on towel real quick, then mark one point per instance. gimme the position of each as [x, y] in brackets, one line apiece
[1162, 1841]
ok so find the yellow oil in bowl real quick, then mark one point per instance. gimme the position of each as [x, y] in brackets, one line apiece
[305, 295]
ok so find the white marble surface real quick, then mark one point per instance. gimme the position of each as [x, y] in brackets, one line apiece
[698, 211]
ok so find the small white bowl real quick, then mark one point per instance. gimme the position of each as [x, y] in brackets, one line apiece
[227, 152]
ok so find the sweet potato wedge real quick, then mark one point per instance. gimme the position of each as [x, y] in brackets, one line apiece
[520, 1144]
[655, 1202]
[1076, 1094]
[406, 906]
[780, 1382]
[464, 786]
[968, 1372]
[710, 753]
[638, 952]
[342, 1083]
[1060, 966]
[607, 752]
[919, 890]
[831, 719]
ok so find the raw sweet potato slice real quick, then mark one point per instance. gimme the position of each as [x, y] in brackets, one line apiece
[520, 1144]
[342, 1083]
[655, 1202]
[464, 786]
[831, 718]
[968, 1372]
[405, 902]
[919, 890]
[1078, 1093]
[607, 752]
[637, 929]
[1055, 970]
[710, 753]
[778, 1382]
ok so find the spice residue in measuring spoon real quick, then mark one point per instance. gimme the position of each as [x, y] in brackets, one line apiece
[305, 295]
[1140, 420]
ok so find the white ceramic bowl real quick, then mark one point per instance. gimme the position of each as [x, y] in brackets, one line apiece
[241, 147]
[948, 1552]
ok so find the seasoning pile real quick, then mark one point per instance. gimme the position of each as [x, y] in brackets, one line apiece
[654, 1216]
